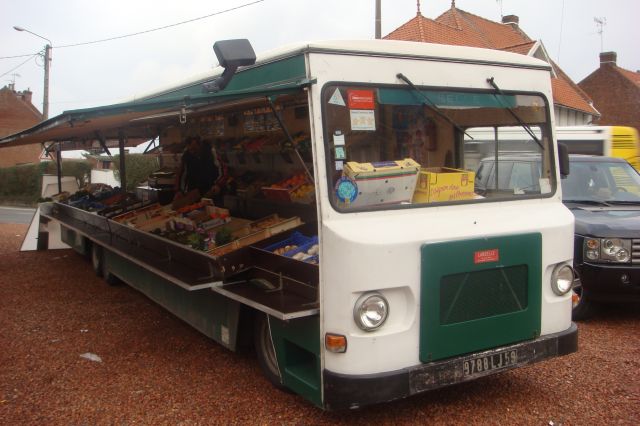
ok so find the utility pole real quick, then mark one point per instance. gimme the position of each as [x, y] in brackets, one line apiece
[47, 65]
[378, 20]
[45, 98]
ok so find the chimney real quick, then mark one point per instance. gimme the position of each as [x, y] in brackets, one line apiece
[25, 95]
[511, 19]
[608, 58]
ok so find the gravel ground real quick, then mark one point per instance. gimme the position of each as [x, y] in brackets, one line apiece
[155, 369]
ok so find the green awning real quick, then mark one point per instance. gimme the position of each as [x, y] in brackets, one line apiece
[142, 119]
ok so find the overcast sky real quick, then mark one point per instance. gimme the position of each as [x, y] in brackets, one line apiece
[109, 72]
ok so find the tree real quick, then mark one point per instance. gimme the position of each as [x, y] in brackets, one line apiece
[138, 168]
[80, 169]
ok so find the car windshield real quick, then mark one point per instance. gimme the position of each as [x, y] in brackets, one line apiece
[399, 146]
[601, 181]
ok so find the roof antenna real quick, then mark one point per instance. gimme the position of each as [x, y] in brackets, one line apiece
[500, 3]
[13, 78]
[418, 8]
[601, 22]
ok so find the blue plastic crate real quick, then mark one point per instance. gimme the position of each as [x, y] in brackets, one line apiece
[296, 239]
[304, 247]
[313, 259]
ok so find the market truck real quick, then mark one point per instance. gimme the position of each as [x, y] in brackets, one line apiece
[350, 247]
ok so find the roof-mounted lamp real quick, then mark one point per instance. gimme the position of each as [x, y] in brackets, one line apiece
[231, 55]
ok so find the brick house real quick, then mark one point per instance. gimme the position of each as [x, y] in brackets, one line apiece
[615, 92]
[457, 27]
[18, 113]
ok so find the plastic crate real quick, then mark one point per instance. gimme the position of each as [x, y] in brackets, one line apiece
[303, 248]
[296, 239]
[278, 194]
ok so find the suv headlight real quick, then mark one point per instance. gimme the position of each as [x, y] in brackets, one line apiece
[613, 250]
[370, 311]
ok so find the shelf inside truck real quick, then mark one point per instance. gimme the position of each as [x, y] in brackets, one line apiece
[189, 269]
[272, 293]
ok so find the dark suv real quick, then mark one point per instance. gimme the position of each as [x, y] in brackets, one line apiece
[604, 195]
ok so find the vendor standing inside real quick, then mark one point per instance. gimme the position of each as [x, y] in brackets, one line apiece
[201, 169]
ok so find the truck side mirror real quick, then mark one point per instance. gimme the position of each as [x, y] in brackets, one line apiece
[231, 54]
[563, 159]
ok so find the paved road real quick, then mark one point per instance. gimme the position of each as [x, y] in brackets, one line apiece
[16, 215]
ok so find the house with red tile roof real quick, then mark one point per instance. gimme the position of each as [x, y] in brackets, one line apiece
[457, 27]
[615, 92]
[18, 113]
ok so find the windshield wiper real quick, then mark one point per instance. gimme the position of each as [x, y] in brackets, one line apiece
[524, 125]
[429, 103]
[621, 202]
[592, 202]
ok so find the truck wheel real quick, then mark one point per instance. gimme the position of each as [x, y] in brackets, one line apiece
[265, 350]
[97, 260]
[111, 279]
[582, 307]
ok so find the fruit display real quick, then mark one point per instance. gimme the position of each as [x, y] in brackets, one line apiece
[305, 193]
[295, 188]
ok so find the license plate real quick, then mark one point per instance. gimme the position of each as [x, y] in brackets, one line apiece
[482, 364]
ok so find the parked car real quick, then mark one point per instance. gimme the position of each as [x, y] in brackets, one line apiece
[604, 195]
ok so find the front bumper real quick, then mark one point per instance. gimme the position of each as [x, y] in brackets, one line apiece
[604, 283]
[343, 391]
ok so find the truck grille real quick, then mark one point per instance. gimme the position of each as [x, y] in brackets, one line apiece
[482, 294]
[635, 251]
[468, 304]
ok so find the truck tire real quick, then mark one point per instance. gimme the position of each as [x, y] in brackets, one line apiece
[97, 260]
[111, 279]
[265, 350]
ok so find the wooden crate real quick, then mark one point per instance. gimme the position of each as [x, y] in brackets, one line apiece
[254, 232]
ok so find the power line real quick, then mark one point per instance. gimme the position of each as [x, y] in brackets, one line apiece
[143, 32]
[21, 64]
[161, 28]
[19, 56]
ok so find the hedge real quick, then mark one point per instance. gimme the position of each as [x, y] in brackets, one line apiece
[22, 185]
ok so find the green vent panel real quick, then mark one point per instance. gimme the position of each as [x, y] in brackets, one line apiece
[479, 294]
[474, 295]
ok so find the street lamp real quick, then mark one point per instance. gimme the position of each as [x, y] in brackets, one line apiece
[47, 64]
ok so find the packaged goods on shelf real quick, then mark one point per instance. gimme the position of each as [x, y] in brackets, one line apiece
[162, 178]
[384, 182]
[444, 184]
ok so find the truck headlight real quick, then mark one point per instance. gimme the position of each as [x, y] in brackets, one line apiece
[562, 279]
[370, 311]
[615, 250]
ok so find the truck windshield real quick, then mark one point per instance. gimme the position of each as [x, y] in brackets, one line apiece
[387, 147]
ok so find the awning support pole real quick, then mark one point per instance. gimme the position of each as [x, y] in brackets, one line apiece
[103, 143]
[152, 142]
[123, 171]
[59, 166]
[288, 135]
